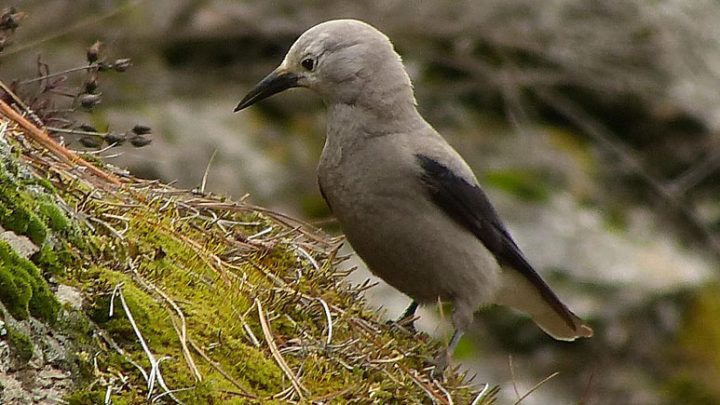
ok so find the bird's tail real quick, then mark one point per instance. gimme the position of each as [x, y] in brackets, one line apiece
[543, 306]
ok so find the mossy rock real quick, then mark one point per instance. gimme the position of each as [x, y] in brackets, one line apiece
[23, 290]
[20, 344]
[215, 301]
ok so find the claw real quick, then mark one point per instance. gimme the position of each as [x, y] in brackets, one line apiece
[440, 363]
[442, 360]
[407, 319]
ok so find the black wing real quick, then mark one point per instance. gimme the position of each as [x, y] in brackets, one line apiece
[468, 205]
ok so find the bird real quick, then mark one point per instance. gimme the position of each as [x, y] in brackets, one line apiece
[407, 202]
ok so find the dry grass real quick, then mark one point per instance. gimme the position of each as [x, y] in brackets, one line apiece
[194, 298]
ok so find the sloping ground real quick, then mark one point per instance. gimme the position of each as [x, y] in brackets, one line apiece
[120, 289]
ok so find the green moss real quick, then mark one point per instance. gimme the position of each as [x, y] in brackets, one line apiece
[20, 343]
[143, 308]
[49, 261]
[87, 397]
[36, 230]
[197, 260]
[28, 213]
[45, 183]
[74, 325]
[15, 219]
[23, 290]
[152, 321]
[261, 372]
[15, 293]
[55, 217]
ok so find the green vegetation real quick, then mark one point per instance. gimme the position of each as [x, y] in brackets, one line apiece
[204, 299]
[23, 290]
[524, 184]
[20, 343]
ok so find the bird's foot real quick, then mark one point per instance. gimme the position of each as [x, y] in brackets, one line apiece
[406, 324]
[407, 319]
[439, 364]
[442, 360]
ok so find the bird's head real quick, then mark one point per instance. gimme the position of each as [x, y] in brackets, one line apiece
[344, 61]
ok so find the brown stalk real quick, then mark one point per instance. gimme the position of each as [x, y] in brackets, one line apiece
[41, 137]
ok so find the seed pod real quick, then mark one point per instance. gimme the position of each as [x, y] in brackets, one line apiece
[141, 129]
[91, 141]
[89, 100]
[115, 138]
[91, 84]
[87, 128]
[93, 52]
[121, 65]
[9, 20]
[140, 141]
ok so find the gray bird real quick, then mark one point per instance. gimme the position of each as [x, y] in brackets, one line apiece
[408, 203]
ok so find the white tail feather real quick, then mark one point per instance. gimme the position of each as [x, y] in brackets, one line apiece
[518, 293]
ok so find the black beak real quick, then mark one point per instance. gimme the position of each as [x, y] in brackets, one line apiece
[273, 83]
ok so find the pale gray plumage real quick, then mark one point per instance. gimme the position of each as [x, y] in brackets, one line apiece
[408, 203]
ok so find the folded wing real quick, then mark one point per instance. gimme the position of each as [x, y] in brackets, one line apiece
[523, 288]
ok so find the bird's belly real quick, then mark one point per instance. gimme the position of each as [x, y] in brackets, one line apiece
[416, 248]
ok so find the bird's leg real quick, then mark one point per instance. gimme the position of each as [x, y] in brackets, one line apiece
[462, 318]
[442, 360]
[406, 320]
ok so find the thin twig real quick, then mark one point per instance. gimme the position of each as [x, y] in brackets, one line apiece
[56, 74]
[487, 395]
[76, 131]
[299, 389]
[109, 227]
[207, 171]
[328, 316]
[60, 151]
[220, 370]
[17, 100]
[103, 334]
[154, 363]
[445, 392]
[480, 396]
[182, 331]
[108, 391]
[307, 255]
[536, 386]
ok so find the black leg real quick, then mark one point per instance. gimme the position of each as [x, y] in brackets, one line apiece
[409, 312]
[454, 340]
[406, 319]
[443, 358]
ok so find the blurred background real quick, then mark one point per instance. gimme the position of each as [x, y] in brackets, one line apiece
[594, 127]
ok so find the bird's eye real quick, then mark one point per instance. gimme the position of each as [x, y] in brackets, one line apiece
[308, 64]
